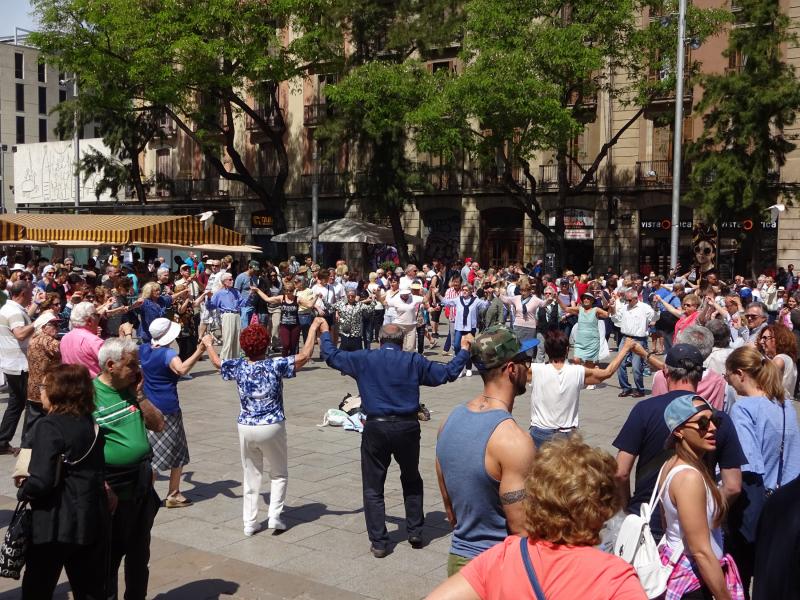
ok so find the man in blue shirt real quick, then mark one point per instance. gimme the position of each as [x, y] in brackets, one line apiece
[242, 284]
[665, 324]
[228, 302]
[388, 381]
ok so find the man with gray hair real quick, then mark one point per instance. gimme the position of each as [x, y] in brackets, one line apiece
[123, 414]
[82, 344]
[644, 432]
[228, 302]
[757, 319]
[712, 386]
[633, 319]
[16, 330]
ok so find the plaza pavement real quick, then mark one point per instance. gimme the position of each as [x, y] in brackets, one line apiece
[200, 552]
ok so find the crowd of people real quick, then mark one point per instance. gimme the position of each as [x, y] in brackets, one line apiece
[87, 355]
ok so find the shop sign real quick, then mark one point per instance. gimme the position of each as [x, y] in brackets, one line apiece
[664, 224]
[579, 234]
[260, 220]
[747, 225]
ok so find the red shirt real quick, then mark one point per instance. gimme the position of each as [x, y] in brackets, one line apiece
[564, 572]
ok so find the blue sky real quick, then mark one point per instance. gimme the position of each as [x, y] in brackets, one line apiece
[15, 14]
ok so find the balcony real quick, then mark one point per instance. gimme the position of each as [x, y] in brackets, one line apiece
[167, 127]
[315, 113]
[490, 179]
[330, 184]
[657, 174]
[548, 175]
[268, 114]
[439, 178]
[668, 96]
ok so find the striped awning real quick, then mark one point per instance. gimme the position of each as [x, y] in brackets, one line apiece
[116, 229]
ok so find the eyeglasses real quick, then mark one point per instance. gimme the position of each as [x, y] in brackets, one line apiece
[765, 338]
[748, 317]
[689, 304]
[523, 361]
[704, 422]
[699, 250]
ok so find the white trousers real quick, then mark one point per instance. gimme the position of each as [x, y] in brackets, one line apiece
[409, 337]
[231, 326]
[259, 443]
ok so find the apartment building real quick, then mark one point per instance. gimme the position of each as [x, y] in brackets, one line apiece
[622, 219]
[29, 91]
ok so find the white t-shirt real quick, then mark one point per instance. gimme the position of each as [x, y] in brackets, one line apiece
[13, 359]
[789, 374]
[555, 394]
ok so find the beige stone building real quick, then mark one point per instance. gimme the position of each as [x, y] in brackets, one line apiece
[621, 220]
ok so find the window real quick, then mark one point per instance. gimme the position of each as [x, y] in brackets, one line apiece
[20, 130]
[62, 95]
[163, 163]
[42, 130]
[42, 101]
[42, 72]
[19, 65]
[97, 132]
[20, 97]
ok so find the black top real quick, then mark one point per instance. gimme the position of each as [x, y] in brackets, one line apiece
[74, 510]
[777, 566]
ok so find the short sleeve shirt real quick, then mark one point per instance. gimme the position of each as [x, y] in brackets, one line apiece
[260, 388]
[122, 423]
[12, 352]
[160, 382]
[564, 572]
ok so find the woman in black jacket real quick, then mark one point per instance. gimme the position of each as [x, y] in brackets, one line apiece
[65, 488]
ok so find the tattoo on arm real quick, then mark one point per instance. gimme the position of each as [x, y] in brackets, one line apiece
[512, 497]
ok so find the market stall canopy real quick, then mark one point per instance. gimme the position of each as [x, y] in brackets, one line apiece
[346, 231]
[62, 229]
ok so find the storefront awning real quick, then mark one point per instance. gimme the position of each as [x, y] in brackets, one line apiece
[64, 229]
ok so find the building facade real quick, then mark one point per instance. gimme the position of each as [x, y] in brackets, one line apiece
[621, 219]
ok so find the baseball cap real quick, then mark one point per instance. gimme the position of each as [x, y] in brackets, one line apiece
[683, 356]
[588, 295]
[497, 345]
[681, 409]
[253, 264]
[163, 331]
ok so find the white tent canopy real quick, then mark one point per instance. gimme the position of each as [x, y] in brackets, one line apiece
[346, 231]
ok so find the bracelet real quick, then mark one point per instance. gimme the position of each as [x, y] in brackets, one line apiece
[649, 354]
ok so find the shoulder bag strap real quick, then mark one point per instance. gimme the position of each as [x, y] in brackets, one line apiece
[655, 497]
[526, 559]
[783, 440]
[88, 452]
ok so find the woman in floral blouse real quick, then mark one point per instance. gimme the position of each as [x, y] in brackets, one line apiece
[44, 353]
[262, 422]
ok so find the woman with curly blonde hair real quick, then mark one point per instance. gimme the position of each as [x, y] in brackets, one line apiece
[570, 494]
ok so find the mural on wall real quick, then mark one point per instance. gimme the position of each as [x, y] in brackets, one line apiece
[45, 173]
[442, 234]
[704, 249]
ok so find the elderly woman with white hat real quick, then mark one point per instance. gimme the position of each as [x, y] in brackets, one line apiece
[162, 368]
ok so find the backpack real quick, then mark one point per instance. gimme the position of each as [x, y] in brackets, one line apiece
[636, 546]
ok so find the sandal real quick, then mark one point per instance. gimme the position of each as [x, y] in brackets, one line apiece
[177, 502]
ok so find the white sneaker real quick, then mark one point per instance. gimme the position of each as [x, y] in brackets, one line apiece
[277, 524]
[252, 529]
[469, 372]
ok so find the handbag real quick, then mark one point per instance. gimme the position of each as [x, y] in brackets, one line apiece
[526, 559]
[16, 542]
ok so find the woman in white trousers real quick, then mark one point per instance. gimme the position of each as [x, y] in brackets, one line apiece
[262, 422]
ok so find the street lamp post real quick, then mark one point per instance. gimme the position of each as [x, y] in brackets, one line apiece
[314, 203]
[76, 141]
[678, 138]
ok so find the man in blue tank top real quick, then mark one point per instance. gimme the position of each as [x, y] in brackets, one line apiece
[482, 455]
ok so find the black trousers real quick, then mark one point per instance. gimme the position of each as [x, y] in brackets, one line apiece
[84, 566]
[380, 441]
[130, 538]
[350, 343]
[18, 394]
[33, 412]
[186, 346]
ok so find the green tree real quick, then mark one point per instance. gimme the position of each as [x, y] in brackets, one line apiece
[196, 61]
[381, 82]
[736, 160]
[533, 70]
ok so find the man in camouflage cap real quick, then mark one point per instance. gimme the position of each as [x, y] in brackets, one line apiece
[480, 445]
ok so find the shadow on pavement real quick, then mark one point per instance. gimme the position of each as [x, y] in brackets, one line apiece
[436, 526]
[202, 490]
[308, 513]
[205, 589]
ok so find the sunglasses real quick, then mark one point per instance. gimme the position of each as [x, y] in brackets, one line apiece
[748, 317]
[704, 422]
[699, 250]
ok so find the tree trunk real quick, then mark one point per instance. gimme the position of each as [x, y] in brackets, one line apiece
[399, 234]
[136, 177]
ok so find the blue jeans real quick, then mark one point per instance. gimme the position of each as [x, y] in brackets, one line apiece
[542, 436]
[637, 362]
[246, 312]
[523, 335]
[457, 344]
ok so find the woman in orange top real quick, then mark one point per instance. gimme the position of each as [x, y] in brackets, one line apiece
[570, 494]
